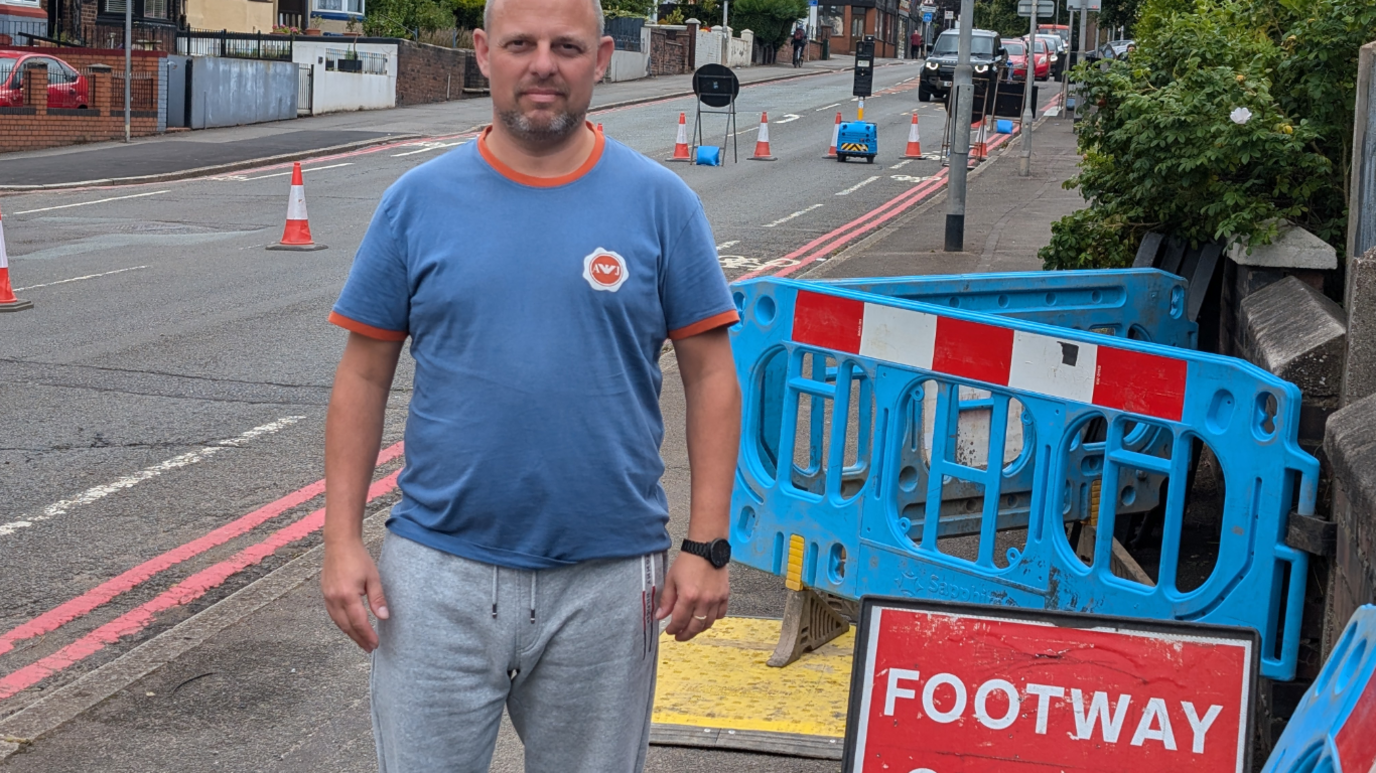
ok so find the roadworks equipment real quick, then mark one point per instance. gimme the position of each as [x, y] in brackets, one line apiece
[297, 234]
[681, 142]
[762, 141]
[835, 136]
[914, 140]
[7, 300]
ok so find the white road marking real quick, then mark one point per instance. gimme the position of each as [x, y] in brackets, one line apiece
[100, 492]
[728, 245]
[857, 186]
[788, 118]
[828, 107]
[907, 178]
[787, 218]
[304, 169]
[902, 164]
[429, 147]
[85, 203]
[78, 278]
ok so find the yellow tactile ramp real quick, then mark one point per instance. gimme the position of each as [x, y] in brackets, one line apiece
[720, 680]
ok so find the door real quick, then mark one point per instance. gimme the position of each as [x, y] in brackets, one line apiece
[62, 84]
[178, 91]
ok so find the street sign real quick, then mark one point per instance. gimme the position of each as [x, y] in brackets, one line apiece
[927, 18]
[1080, 5]
[950, 15]
[988, 689]
[1044, 7]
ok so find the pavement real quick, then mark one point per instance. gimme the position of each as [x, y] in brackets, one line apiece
[178, 155]
[162, 326]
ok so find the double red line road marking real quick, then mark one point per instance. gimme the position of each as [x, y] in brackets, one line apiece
[184, 592]
[202, 582]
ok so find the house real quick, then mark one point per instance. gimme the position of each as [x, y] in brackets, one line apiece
[231, 15]
[852, 20]
[22, 16]
[336, 15]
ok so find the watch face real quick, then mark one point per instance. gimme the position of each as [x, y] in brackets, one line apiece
[721, 553]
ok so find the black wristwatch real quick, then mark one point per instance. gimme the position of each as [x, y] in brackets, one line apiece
[717, 552]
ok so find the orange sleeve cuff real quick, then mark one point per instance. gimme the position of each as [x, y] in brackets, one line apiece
[354, 326]
[711, 323]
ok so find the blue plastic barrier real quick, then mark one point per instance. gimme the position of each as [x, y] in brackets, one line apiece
[1333, 727]
[836, 505]
[1143, 304]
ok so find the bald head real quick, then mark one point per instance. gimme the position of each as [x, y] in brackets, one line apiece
[489, 10]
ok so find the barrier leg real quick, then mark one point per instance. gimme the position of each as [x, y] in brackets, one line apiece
[810, 620]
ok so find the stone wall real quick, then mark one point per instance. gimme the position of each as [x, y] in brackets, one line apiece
[669, 51]
[1351, 449]
[427, 73]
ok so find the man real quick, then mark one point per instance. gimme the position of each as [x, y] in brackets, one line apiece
[915, 44]
[799, 41]
[537, 272]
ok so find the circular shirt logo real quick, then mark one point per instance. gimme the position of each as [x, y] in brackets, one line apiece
[604, 270]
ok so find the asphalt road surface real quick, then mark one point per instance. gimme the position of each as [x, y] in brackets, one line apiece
[162, 407]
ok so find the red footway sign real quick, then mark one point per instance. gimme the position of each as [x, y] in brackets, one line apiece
[954, 688]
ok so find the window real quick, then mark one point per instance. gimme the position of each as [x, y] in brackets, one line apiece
[143, 9]
[857, 25]
[57, 74]
[339, 6]
[6, 67]
[155, 9]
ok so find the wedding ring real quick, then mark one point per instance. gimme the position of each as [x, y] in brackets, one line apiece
[699, 617]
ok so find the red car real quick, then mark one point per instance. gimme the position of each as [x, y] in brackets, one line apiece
[67, 88]
[1017, 59]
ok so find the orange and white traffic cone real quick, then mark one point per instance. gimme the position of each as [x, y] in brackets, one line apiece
[981, 144]
[762, 141]
[681, 142]
[835, 136]
[7, 300]
[297, 234]
[599, 129]
[914, 140]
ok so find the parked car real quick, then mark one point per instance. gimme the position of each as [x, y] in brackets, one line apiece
[1061, 31]
[67, 88]
[1114, 49]
[1059, 54]
[1017, 59]
[986, 54]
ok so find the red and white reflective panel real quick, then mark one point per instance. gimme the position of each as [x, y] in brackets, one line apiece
[1106, 376]
[296, 203]
[949, 692]
[1356, 740]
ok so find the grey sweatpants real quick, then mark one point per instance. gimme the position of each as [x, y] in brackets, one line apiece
[570, 652]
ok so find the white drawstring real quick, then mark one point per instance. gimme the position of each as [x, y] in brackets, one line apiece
[494, 592]
[533, 575]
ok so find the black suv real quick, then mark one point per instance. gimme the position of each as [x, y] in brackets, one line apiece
[986, 55]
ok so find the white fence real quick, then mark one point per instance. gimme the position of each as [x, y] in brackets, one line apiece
[342, 82]
[719, 47]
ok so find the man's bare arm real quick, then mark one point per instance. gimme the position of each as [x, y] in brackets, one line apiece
[693, 588]
[353, 434]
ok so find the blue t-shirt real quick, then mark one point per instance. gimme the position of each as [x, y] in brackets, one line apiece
[537, 309]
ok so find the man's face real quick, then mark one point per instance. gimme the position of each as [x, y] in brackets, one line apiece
[542, 58]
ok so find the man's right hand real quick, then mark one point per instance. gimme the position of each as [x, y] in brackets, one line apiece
[350, 575]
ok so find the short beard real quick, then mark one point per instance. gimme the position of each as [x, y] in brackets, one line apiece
[558, 128]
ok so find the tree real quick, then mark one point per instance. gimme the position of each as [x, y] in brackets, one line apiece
[1000, 16]
[1230, 116]
[771, 20]
[407, 18]
[468, 14]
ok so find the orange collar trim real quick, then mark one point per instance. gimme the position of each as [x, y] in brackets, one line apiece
[542, 182]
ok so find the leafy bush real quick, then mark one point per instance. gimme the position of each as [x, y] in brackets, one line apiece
[771, 20]
[1162, 153]
[468, 14]
[407, 18]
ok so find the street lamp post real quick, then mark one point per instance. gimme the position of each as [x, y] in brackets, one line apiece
[128, 60]
[963, 89]
[1028, 105]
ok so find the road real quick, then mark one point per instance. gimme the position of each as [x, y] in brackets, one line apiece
[162, 407]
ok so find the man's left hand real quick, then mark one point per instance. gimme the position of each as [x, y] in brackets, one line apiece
[695, 594]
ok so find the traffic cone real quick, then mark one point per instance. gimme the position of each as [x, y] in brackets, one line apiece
[981, 145]
[599, 129]
[762, 141]
[914, 140]
[681, 142]
[7, 300]
[835, 136]
[297, 235]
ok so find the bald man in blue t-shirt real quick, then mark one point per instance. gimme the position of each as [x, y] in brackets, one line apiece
[537, 273]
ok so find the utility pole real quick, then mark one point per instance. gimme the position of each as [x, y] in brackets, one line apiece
[963, 102]
[1065, 68]
[128, 59]
[1028, 104]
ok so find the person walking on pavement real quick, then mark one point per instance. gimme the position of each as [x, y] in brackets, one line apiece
[799, 41]
[537, 272]
[915, 45]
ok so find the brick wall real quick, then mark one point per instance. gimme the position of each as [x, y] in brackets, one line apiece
[427, 73]
[669, 53]
[34, 126]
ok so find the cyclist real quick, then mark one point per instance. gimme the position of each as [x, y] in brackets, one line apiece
[799, 40]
